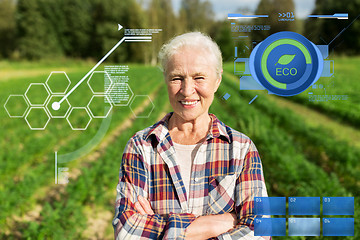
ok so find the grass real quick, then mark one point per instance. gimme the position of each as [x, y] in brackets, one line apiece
[307, 148]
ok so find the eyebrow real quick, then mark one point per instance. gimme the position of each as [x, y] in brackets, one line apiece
[174, 74]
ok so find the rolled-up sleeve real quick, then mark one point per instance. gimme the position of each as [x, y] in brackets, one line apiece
[249, 184]
[130, 224]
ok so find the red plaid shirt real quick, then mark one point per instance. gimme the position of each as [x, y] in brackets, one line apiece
[226, 176]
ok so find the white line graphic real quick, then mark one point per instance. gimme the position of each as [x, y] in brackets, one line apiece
[132, 39]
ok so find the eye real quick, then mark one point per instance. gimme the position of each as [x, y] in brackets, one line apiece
[199, 78]
[176, 80]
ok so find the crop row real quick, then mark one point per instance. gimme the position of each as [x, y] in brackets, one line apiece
[288, 171]
[17, 188]
[316, 144]
[19, 141]
[343, 83]
[96, 186]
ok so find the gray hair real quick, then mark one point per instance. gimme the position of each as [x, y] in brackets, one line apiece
[191, 39]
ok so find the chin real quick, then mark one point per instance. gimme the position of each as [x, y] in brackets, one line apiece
[188, 116]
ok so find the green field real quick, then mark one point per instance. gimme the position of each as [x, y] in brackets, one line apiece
[307, 148]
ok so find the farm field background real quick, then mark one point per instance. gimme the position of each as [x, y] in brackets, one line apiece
[307, 148]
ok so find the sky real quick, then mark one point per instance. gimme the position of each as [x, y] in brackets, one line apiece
[223, 7]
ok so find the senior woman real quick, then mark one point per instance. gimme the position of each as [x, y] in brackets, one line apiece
[189, 176]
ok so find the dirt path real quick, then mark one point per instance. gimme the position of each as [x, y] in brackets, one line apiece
[53, 193]
[99, 221]
[340, 131]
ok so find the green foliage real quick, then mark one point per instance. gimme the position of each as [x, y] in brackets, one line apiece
[76, 28]
[342, 83]
[160, 16]
[106, 15]
[223, 37]
[298, 160]
[323, 31]
[292, 153]
[27, 159]
[37, 38]
[196, 15]
[7, 28]
[76, 25]
[272, 8]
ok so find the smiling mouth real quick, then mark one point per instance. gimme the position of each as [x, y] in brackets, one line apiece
[189, 103]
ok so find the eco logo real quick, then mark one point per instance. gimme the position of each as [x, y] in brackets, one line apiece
[286, 63]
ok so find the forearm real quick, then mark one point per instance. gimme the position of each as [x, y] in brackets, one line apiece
[240, 232]
[210, 226]
[130, 223]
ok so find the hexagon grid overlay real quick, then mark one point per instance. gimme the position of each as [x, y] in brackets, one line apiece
[120, 94]
[58, 82]
[142, 98]
[37, 94]
[99, 106]
[83, 118]
[64, 109]
[37, 118]
[97, 84]
[16, 106]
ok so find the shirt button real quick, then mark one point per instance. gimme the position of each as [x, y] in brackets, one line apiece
[196, 179]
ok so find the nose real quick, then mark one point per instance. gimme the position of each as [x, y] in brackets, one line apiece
[187, 87]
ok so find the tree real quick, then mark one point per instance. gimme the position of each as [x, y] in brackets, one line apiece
[222, 35]
[161, 16]
[196, 15]
[7, 27]
[107, 14]
[323, 31]
[76, 27]
[272, 8]
[37, 38]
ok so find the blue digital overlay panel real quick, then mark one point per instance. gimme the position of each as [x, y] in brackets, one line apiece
[338, 205]
[270, 227]
[304, 226]
[249, 83]
[338, 226]
[226, 96]
[286, 63]
[304, 205]
[270, 205]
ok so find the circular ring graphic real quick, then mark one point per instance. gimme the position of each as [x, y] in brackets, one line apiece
[286, 63]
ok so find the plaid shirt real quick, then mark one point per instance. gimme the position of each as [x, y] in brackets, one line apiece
[226, 176]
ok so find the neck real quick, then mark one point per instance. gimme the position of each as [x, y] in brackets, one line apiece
[189, 132]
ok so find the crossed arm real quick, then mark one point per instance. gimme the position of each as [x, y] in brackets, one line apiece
[135, 219]
[203, 227]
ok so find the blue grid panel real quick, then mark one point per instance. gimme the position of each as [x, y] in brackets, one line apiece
[270, 227]
[304, 205]
[270, 205]
[338, 226]
[338, 205]
[304, 226]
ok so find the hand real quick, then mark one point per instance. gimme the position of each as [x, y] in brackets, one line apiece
[223, 223]
[210, 226]
[143, 206]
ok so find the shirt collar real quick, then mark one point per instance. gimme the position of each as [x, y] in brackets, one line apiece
[160, 129]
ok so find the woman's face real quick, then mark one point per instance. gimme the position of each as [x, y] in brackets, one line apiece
[192, 80]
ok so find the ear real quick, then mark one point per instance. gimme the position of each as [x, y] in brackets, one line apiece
[218, 81]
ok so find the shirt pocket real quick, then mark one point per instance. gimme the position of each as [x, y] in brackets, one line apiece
[221, 194]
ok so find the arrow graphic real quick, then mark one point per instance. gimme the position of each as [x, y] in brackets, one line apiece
[56, 105]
